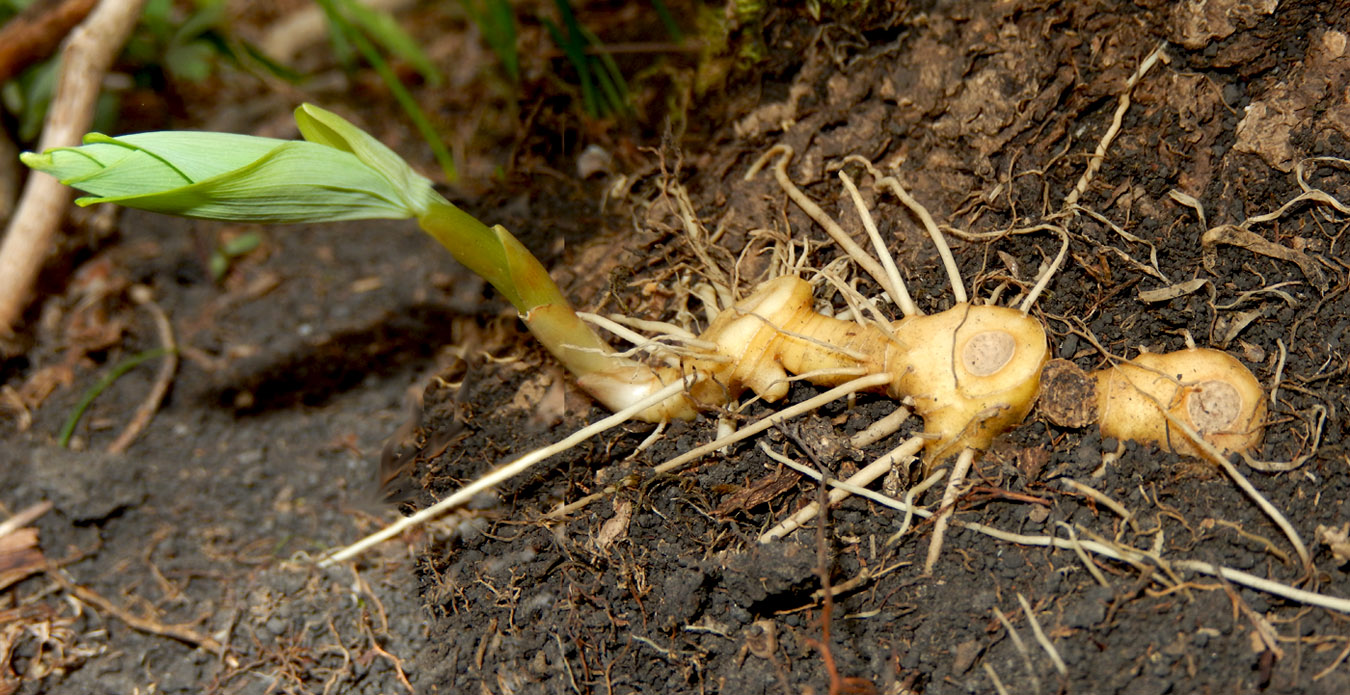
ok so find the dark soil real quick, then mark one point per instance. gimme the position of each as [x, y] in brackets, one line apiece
[301, 363]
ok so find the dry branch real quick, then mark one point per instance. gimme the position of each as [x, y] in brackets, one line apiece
[141, 295]
[33, 34]
[86, 57]
[182, 632]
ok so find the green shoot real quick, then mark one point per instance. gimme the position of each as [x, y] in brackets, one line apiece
[339, 172]
[189, 43]
[29, 95]
[186, 49]
[227, 252]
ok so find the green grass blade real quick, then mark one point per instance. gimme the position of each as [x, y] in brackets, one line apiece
[576, 55]
[668, 21]
[72, 420]
[383, 29]
[338, 33]
[246, 50]
[502, 38]
[355, 37]
[497, 22]
[576, 51]
[610, 78]
[614, 95]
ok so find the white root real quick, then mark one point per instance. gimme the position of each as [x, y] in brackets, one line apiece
[657, 327]
[939, 241]
[1111, 551]
[1099, 156]
[864, 383]
[1021, 648]
[958, 477]
[911, 495]
[993, 678]
[687, 346]
[1212, 453]
[862, 478]
[903, 300]
[1041, 639]
[1083, 556]
[880, 429]
[837, 233]
[501, 475]
[857, 304]
[1044, 279]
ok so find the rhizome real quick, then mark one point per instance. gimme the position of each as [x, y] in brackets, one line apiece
[609, 563]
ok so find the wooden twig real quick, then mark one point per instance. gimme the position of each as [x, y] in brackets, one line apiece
[141, 295]
[35, 33]
[182, 633]
[87, 56]
[25, 517]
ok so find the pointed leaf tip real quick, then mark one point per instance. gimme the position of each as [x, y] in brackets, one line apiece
[324, 127]
[35, 160]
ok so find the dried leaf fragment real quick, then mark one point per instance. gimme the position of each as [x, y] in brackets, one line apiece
[20, 556]
[617, 526]
[1180, 289]
[759, 492]
[1247, 239]
[1337, 539]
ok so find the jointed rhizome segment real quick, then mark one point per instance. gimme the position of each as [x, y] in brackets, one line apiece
[969, 372]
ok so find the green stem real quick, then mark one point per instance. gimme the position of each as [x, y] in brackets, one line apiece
[498, 257]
